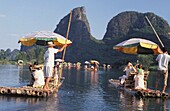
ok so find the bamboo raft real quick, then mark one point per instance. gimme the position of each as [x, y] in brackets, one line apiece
[139, 93]
[29, 91]
[129, 87]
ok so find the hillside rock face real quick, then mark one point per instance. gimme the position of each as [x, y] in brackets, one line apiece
[79, 30]
[134, 24]
[84, 46]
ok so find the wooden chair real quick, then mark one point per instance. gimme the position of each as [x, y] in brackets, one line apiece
[146, 74]
[130, 83]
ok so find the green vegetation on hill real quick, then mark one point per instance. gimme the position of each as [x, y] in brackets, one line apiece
[30, 55]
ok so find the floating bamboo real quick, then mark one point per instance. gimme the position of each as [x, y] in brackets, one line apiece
[27, 91]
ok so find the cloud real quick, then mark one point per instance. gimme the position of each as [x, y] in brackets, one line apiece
[2, 15]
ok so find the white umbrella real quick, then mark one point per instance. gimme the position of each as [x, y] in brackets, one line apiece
[58, 60]
[87, 62]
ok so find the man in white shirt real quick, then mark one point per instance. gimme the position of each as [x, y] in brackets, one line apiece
[163, 60]
[49, 62]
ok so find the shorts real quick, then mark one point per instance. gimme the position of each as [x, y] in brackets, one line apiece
[162, 74]
[48, 71]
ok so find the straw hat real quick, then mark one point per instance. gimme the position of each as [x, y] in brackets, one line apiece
[129, 64]
[50, 44]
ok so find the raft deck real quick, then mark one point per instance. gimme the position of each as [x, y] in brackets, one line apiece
[139, 93]
[29, 91]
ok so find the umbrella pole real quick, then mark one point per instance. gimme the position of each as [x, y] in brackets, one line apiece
[68, 29]
[154, 31]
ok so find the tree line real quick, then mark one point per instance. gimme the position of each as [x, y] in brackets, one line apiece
[30, 55]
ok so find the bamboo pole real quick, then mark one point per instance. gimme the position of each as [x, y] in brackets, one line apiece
[164, 95]
[9, 90]
[3, 90]
[24, 91]
[40, 93]
[28, 92]
[68, 29]
[13, 91]
[45, 94]
[154, 31]
[145, 94]
[19, 91]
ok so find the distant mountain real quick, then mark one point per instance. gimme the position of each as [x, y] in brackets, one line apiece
[134, 24]
[84, 46]
[123, 26]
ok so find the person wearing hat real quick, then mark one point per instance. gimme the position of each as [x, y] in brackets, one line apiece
[129, 68]
[163, 60]
[49, 62]
[38, 74]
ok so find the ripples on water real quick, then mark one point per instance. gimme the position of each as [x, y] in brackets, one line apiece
[81, 91]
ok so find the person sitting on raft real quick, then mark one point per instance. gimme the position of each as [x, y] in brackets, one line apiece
[139, 78]
[31, 71]
[38, 74]
[129, 68]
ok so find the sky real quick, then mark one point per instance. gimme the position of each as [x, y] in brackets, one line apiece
[21, 17]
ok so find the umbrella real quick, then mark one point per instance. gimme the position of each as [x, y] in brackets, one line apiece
[138, 46]
[87, 62]
[58, 60]
[42, 37]
[94, 61]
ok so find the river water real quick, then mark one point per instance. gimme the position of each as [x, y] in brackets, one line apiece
[81, 91]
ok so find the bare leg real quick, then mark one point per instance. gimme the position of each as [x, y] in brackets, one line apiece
[164, 89]
[46, 83]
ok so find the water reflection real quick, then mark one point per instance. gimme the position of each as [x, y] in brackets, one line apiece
[94, 77]
[9, 103]
[82, 90]
[157, 104]
[80, 77]
[8, 75]
[24, 75]
[28, 100]
[138, 104]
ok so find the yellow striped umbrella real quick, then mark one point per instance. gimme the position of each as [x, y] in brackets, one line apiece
[42, 38]
[138, 46]
[94, 61]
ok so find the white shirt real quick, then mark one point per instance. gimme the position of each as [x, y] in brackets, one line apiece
[163, 60]
[39, 78]
[128, 70]
[49, 57]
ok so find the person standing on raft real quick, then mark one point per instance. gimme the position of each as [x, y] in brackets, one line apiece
[49, 62]
[163, 60]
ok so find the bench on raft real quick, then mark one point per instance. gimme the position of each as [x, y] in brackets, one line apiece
[130, 83]
[29, 91]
